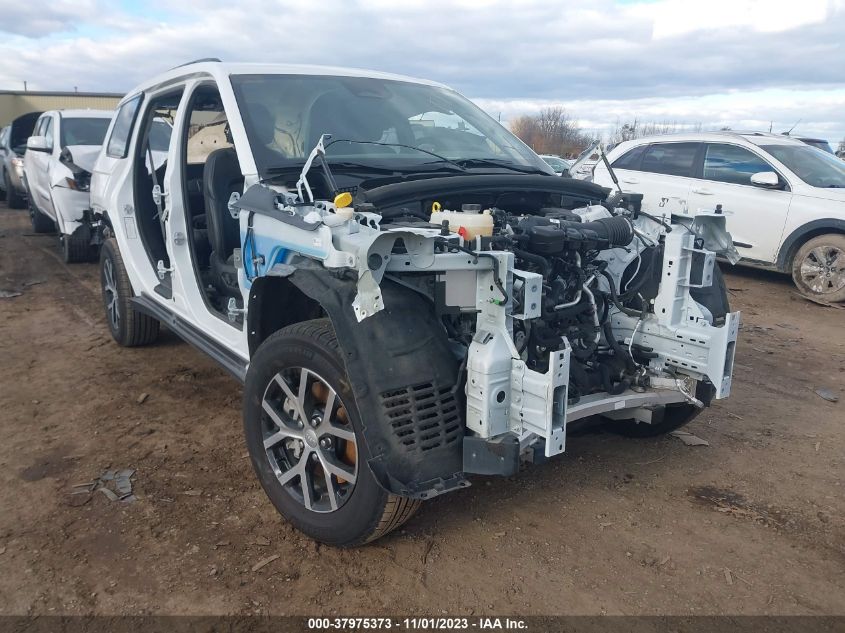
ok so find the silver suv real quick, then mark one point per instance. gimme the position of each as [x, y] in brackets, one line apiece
[408, 293]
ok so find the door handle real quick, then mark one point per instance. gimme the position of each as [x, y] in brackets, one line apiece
[702, 191]
[630, 181]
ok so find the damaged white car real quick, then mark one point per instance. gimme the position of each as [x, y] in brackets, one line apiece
[409, 294]
[57, 170]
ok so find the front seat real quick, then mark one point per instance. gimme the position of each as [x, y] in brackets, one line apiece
[221, 176]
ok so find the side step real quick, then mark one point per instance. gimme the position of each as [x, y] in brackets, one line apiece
[230, 361]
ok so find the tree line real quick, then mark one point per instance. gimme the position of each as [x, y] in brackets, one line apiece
[553, 131]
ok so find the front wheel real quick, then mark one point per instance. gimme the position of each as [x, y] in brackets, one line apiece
[13, 198]
[304, 439]
[818, 268]
[76, 249]
[40, 222]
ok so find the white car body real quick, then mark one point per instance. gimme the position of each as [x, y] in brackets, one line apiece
[768, 225]
[49, 176]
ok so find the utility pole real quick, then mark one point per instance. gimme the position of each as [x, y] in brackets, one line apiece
[24, 86]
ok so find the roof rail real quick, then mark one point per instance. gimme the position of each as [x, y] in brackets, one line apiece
[198, 61]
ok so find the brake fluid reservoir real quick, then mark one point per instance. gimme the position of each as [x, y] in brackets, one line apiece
[468, 223]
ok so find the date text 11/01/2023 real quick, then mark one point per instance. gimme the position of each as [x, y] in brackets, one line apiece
[417, 624]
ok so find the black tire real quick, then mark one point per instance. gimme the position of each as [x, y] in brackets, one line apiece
[673, 417]
[130, 328]
[40, 222]
[5, 185]
[16, 200]
[818, 268]
[369, 511]
[76, 249]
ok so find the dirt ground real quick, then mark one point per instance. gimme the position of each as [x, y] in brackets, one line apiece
[754, 523]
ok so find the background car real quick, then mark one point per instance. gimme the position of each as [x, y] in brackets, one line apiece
[821, 143]
[58, 162]
[560, 165]
[12, 148]
[784, 200]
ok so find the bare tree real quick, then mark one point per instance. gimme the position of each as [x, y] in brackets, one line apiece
[551, 131]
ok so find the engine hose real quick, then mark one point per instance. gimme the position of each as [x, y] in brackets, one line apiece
[615, 298]
[607, 383]
[540, 262]
[620, 351]
[616, 231]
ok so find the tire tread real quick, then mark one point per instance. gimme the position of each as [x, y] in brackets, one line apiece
[139, 328]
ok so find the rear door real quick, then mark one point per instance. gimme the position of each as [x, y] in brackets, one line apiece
[755, 215]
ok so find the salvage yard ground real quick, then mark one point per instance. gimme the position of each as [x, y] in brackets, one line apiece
[754, 523]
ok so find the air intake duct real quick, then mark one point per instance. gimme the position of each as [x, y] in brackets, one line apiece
[550, 239]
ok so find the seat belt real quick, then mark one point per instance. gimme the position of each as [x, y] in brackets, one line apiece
[157, 192]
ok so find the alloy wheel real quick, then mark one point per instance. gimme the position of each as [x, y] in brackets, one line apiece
[309, 439]
[823, 269]
[110, 292]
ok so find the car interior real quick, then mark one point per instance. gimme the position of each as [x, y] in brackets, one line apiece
[212, 173]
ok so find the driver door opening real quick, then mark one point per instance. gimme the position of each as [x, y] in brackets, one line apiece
[210, 174]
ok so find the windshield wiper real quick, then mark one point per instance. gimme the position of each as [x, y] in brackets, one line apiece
[499, 162]
[418, 149]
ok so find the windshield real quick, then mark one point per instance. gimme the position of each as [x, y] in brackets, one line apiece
[812, 165]
[285, 115]
[83, 131]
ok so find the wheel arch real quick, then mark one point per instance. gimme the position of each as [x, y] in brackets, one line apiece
[805, 232]
[275, 303]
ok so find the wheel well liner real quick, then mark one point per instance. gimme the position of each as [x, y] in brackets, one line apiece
[274, 303]
[403, 374]
[803, 233]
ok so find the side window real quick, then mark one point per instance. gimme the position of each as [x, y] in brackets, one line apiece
[630, 159]
[118, 144]
[672, 159]
[48, 132]
[733, 164]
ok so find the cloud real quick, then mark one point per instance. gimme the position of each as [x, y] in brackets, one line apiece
[37, 20]
[534, 51]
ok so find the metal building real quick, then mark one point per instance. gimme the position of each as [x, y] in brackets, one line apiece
[14, 103]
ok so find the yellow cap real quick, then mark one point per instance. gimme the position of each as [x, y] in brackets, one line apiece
[436, 206]
[342, 200]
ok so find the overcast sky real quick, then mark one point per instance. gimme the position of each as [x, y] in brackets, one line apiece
[739, 63]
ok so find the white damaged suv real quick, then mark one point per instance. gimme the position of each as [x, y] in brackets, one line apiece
[57, 171]
[408, 293]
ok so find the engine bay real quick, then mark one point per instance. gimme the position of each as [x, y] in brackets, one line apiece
[559, 300]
